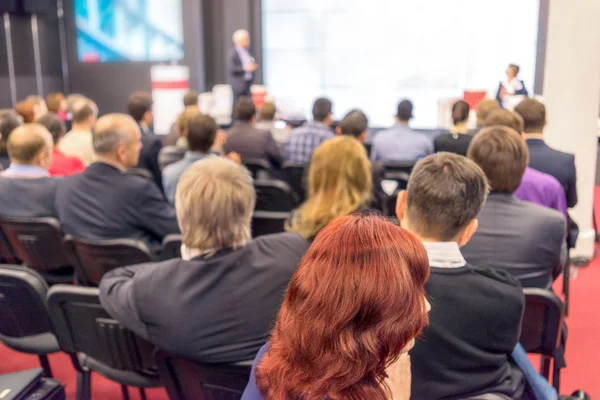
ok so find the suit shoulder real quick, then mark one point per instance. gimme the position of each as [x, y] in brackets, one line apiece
[287, 241]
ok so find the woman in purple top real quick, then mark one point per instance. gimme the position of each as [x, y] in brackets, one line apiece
[351, 314]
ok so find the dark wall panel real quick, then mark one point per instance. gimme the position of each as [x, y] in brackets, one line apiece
[110, 84]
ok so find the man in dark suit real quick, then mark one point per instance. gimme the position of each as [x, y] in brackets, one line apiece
[248, 141]
[541, 156]
[140, 108]
[240, 66]
[218, 302]
[26, 188]
[105, 202]
[523, 238]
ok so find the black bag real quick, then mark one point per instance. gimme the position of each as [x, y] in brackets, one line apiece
[30, 385]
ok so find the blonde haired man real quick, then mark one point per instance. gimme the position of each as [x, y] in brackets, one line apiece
[218, 302]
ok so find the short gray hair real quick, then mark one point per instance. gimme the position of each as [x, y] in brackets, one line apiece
[215, 200]
[112, 131]
[240, 33]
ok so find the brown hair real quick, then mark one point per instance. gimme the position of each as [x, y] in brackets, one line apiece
[83, 109]
[484, 108]
[354, 303]
[184, 118]
[190, 98]
[445, 192]
[460, 112]
[502, 155]
[244, 109]
[54, 100]
[201, 132]
[139, 104]
[534, 115]
[267, 111]
[505, 118]
[26, 109]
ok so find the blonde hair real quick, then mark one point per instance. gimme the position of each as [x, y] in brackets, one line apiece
[339, 182]
[214, 201]
[184, 118]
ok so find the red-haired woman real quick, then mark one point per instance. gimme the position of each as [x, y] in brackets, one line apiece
[351, 314]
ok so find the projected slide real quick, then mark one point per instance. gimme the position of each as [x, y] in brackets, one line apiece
[370, 54]
[129, 30]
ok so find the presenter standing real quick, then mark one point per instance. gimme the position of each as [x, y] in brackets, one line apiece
[512, 86]
[240, 66]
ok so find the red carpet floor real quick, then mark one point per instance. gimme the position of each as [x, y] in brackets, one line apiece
[583, 346]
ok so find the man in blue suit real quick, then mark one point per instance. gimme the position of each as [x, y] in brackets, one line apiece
[240, 66]
[105, 202]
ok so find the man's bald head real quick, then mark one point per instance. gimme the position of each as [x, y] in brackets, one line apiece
[117, 137]
[30, 144]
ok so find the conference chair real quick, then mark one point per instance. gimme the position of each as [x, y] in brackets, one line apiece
[542, 331]
[186, 380]
[7, 254]
[24, 322]
[37, 243]
[169, 155]
[274, 195]
[258, 167]
[171, 247]
[399, 172]
[93, 258]
[96, 342]
[293, 174]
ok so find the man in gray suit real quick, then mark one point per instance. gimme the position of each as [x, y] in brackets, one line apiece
[240, 66]
[523, 238]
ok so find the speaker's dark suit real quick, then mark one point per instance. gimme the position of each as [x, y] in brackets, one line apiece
[236, 75]
[556, 163]
[216, 309]
[104, 203]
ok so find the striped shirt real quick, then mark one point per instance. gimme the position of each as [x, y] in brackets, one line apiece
[305, 139]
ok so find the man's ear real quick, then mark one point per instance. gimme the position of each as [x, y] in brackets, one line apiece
[338, 130]
[401, 205]
[363, 136]
[468, 232]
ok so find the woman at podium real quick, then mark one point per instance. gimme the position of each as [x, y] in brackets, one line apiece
[512, 86]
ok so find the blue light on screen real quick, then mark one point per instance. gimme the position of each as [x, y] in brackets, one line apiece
[129, 30]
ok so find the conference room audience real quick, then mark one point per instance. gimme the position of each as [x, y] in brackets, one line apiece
[78, 141]
[536, 186]
[351, 314]
[305, 139]
[400, 143]
[339, 183]
[217, 303]
[140, 108]
[475, 321]
[520, 237]
[543, 157]
[62, 165]
[190, 99]
[249, 142]
[266, 122]
[459, 137]
[26, 189]
[57, 104]
[9, 121]
[201, 132]
[106, 202]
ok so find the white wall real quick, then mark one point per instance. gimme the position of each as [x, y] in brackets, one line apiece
[572, 93]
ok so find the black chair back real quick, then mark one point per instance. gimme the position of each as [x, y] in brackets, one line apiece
[274, 195]
[22, 302]
[169, 155]
[293, 173]
[399, 172]
[7, 254]
[83, 326]
[187, 380]
[171, 247]
[258, 167]
[542, 321]
[36, 242]
[268, 222]
[93, 258]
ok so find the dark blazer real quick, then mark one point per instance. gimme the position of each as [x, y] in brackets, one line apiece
[519, 237]
[250, 142]
[104, 203]
[556, 163]
[236, 74]
[217, 309]
[28, 197]
[149, 156]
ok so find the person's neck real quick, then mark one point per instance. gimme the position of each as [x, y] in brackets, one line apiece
[534, 135]
[81, 127]
[110, 161]
[461, 128]
[401, 122]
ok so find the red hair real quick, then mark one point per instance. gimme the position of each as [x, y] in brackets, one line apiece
[356, 300]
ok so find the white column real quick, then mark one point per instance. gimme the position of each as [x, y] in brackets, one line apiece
[572, 94]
